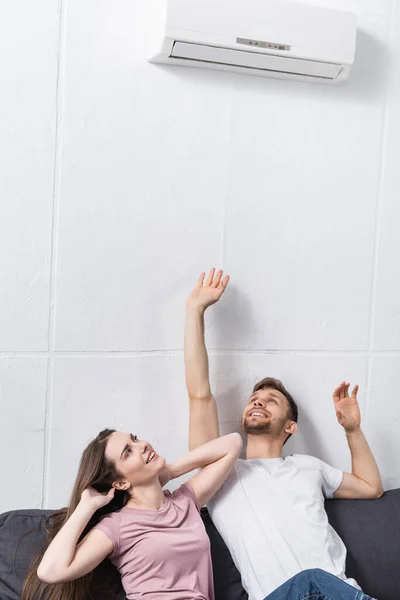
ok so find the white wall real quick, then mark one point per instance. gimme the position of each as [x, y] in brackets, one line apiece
[121, 181]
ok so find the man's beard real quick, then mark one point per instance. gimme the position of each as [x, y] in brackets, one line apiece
[263, 427]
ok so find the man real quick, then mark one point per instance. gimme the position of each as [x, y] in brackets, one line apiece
[270, 511]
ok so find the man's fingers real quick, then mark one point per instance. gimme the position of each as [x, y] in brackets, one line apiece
[217, 278]
[210, 276]
[337, 394]
[225, 281]
[213, 280]
[342, 391]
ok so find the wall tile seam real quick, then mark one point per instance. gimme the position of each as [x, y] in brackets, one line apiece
[375, 257]
[59, 104]
[211, 352]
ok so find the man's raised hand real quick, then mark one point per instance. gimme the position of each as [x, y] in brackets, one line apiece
[347, 408]
[208, 290]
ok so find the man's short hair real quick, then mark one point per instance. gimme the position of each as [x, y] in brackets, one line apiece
[276, 384]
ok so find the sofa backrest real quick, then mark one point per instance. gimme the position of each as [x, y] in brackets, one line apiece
[370, 530]
[22, 533]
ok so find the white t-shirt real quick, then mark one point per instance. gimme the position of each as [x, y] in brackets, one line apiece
[270, 513]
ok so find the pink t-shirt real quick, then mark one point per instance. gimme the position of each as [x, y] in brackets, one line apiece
[162, 554]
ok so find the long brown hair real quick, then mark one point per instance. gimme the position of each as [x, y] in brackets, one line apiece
[96, 471]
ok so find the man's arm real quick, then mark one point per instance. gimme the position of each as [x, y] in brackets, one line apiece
[203, 420]
[365, 480]
[203, 414]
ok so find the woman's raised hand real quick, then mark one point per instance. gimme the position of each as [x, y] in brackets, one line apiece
[95, 499]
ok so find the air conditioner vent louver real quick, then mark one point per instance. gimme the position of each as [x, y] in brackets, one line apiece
[254, 60]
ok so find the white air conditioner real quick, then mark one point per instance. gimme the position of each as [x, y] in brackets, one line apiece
[274, 38]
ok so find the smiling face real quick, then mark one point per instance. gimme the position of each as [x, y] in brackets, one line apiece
[135, 459]
[267, 412]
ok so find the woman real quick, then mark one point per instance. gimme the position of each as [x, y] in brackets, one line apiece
[156, 539]
[118, 509]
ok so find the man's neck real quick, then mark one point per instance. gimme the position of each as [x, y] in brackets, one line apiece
[263, 446]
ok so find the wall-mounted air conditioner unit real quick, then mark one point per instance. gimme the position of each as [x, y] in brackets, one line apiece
[273, 38]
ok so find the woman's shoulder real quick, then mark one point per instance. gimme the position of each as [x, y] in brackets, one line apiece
[184, 493]
[111, 518]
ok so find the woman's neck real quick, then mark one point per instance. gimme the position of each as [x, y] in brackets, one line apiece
[149, 497]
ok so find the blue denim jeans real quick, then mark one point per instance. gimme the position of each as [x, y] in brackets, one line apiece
[316, 584]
